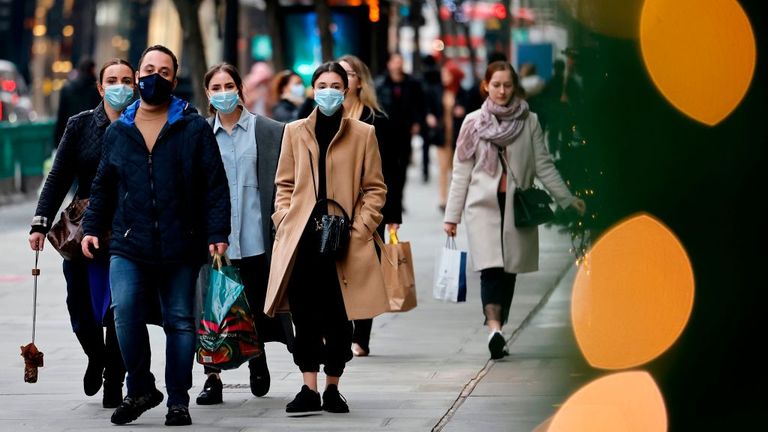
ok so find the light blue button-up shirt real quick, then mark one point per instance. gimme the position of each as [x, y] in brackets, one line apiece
[238, 153]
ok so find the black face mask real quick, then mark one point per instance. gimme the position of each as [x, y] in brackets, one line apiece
[154, 89]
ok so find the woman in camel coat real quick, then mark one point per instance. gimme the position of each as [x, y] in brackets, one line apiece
[326, 155]
[500, 147]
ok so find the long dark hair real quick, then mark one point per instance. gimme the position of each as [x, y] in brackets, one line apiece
[496, 67]
[331, 67]
[229, 69]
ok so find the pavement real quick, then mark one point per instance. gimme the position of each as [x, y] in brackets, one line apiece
[429, 368]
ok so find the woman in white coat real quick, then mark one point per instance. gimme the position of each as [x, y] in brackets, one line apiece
[500, 147]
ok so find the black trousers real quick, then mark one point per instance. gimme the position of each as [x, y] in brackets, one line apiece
[497, 287]
[323, 331]
[89, 333]
[254, 273]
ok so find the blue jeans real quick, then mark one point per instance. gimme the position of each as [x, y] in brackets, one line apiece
[131, 284]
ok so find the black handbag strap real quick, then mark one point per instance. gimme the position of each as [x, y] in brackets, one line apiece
[314, 186]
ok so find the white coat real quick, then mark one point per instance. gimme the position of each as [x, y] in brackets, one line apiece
[473, 192]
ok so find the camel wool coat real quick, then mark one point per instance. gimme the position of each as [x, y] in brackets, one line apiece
[353, 179]
[474, 192]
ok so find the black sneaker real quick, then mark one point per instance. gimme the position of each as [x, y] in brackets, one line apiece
[259, 375]
[497, 346]
[333, 401]
[132, 407]
[307, 400]
[178, 415]
[92, 379]
[211, 393]
[113, 395]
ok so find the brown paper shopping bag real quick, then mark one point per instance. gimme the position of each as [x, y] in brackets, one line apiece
[397, 269]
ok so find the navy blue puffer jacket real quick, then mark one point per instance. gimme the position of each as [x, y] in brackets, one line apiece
[166, 206]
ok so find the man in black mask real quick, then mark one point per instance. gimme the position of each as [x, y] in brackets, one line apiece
[162, 191]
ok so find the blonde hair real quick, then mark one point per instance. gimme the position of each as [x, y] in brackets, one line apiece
[367, 91]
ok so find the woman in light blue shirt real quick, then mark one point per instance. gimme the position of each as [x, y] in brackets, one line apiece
[250, 147]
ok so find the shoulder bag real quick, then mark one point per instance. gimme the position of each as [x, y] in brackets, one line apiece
[531, 205]
[331, 232]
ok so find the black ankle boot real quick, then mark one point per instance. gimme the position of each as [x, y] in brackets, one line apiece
[260, 379]
[113, 394]
[92, 379]
[211, 393]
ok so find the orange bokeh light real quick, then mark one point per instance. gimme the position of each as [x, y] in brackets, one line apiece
[622, 402]
[633, 294]
[700, 54]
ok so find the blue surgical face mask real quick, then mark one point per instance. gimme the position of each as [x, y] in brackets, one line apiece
[224, 102]
[118, 96]
[329, 100]
[297, 90]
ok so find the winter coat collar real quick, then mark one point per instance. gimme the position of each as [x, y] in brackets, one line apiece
[100, 115]
[309, 125]
[177, 110]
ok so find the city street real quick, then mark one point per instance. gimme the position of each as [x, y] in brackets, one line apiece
[428, 368]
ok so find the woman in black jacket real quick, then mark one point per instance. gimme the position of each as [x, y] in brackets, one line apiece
[77, 159]
[290, 91]
[361, 103]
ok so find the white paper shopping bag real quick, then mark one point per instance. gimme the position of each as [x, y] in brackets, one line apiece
[451, 274]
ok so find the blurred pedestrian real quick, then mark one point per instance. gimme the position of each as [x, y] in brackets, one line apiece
[533, 87]
[401, 98]
[289, 92]
[530, 81]
[432, 88]
[500, 147]
[257, 90]
[453, 102]
[88, 295]
[162, 188]
[250, 146]
[78, 95]
[326, 156]
[360, 103]
[559, 100]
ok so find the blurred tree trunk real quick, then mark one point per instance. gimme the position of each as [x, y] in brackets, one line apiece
[193, 49]
[324, 24]
[275, 34]
[416, 21]
[84, 39]
[231, 27]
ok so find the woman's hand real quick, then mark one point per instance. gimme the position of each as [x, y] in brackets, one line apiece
[37, 241]
[450, 229]
[217, 248]
[86, 245]
[580, 206]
